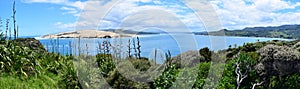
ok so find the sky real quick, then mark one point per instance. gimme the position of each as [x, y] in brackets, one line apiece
[40, 17]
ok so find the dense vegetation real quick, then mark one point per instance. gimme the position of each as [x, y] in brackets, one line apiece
[25, 66]
[24, 63]
[285, 31]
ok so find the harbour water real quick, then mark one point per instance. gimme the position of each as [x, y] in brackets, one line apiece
[175, 43]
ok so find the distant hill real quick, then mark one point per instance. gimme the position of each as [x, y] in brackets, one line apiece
[284, 31]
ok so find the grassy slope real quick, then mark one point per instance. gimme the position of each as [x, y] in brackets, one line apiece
[49, 81]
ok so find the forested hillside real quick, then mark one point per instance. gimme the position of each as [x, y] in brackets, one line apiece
[285, 31]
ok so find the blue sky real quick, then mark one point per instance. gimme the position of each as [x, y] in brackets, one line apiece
[40, 17]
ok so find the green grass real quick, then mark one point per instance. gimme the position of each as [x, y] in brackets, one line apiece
[49, 81]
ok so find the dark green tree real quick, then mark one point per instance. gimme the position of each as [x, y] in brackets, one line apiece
[14, 19]
[206, 53]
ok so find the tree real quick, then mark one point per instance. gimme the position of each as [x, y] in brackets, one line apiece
[138, 48]
[249, 47]
[14, 19]
[106, 46]
[244, 64]
[7, 27]
[135, 48]
[206, 53]
[129, 48]
[203, 71]
[168, 59]
[2, 37]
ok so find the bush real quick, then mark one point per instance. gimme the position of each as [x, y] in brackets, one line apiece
[167, 78]
[33, 64]
[141, 64]
[276, 61]
[206, 53]
[105, 63]
[202, 74]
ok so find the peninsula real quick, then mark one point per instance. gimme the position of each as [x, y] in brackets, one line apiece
[87, 34]
[284, 31]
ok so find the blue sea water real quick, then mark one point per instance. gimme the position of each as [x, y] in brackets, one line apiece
[175, 43]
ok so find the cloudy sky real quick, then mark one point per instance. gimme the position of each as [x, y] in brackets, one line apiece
[39, 17]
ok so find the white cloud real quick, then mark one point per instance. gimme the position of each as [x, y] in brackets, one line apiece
[233, 14]
[67, 8]
[237, 14]
[70, 10]
[76, 6]
[153, 18]
[145, 1]
[61, 25]
[45, 1]
[273, 5]
[112, 15]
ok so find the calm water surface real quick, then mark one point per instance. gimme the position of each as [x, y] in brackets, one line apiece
[175, 43]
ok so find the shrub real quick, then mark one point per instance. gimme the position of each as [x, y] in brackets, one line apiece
[167, 78]
[206, 53]
[276, 61]
[202, 74]
[105, 63]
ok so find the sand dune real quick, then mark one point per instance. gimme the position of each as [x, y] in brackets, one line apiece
[86, 34]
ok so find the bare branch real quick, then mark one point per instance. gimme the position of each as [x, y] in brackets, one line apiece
[240, 76]
[257, 84]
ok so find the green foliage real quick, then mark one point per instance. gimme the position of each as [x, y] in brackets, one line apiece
[206, 53]
[25, 64]
[105, 63]
[2, 38]
[168, 58]
[18, 60]
[117, 81]
[249, 48]
[32, 65]
[31, 43]
[115, 77]
[291, 81]
[69, 76]
[246, 48]
[124, 77]
[202, 74]
[247, 63]
[142, 64]
[167, 78]
[47, 81]
[228, 80]
[253, 55]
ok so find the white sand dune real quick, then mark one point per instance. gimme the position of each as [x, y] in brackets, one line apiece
[86, 34]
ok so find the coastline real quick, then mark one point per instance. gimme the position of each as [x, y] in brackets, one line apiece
[86, 34]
